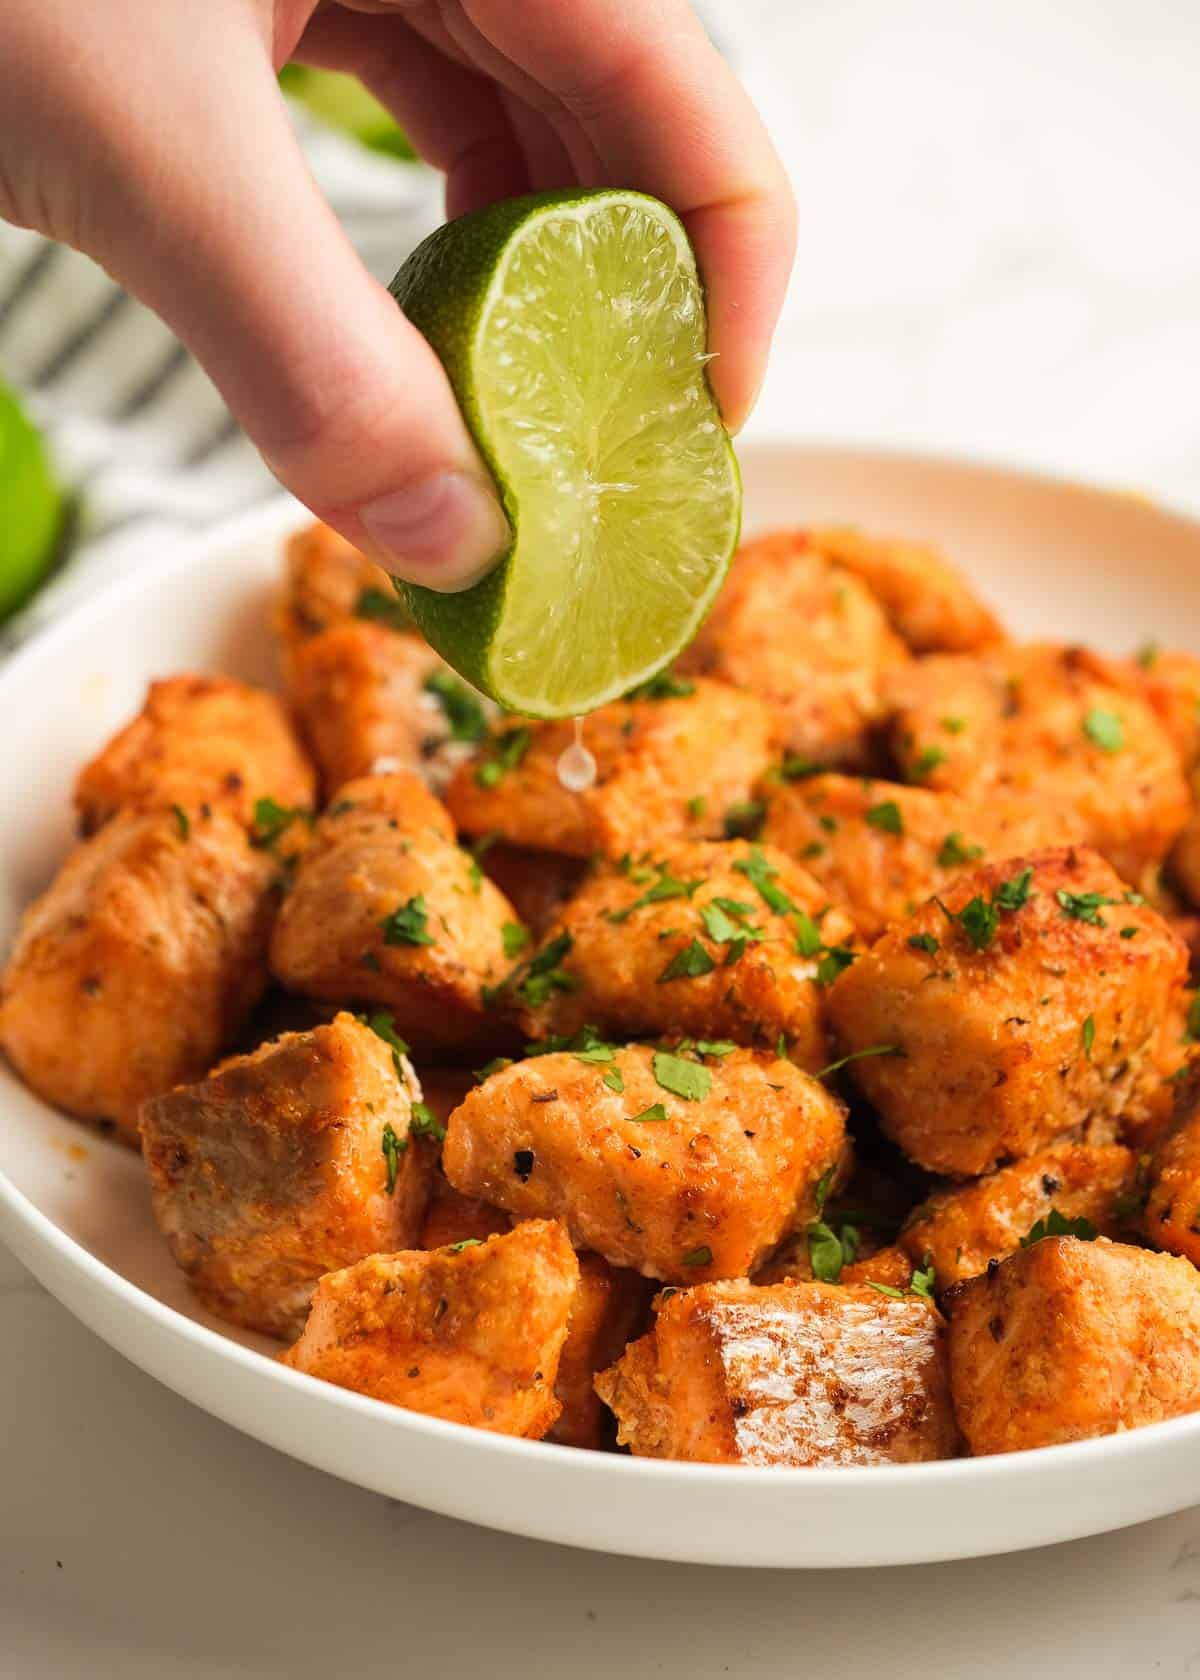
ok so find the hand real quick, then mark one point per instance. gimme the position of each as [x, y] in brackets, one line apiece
[152, 135]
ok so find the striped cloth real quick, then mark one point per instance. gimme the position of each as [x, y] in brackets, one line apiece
[136, 429]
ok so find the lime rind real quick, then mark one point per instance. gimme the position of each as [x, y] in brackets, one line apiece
[572, 328]
[32, 507]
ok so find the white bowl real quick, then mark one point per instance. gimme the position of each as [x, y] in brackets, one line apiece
[1056, 559]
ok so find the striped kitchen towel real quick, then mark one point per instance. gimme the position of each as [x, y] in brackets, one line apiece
[135, 428]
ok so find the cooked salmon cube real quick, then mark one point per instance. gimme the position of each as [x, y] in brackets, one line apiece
[1169, 681]
[959, 1230]
[451, 1218]
[927, 600]
[1024, 1004]
[385, 907]
[877, 848]
[1043, 727]
[1184, 866]
[673, 767]
[537, 884]
[609, 1310]
[284, 1165]
[807, 637]
[797, 1374]
[1068, 1339]
[683, 1187]
[889, 1266]
[371, 701]
[472, 1334]
[198, 741]
[945, 719]
[140, 963]
[326, 580]
[1172, 1215]
[715, 939]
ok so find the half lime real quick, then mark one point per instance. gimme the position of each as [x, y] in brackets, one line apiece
[31, 506]
[573, 331]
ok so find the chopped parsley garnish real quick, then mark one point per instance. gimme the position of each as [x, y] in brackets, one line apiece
[688, 964]
[744, 819]
[979, 921]
[661, 891]
[1104, 728]
[181, 818]
[921, 1285]
[507, 751]
[681, 1077]
[761, 875]
[702, 1256]
[1013, 894]
[665, 686]
[474, 876]
[1084, 907]
[1147, 655]
[408, 925]
[886, 817]
[649, 1116]
[467, 1242]
[717, 1047]
[384, 1027]
[923, 1282]
[586, 1043]
[924, 942]
[797, 769]
[460, 704]
[272, 821]
[544, 976]
[1087, 1036]
[927, 762]
[1057, 1224]
[392, 1146]
[614, 1079]
[835, 961]
[1192, 1029]
[954, 851]
[1130, 932]
[696, 807]
[830, 1250]
[425, 1123]
[859, 1056]
[496, 1065]
[954, 725]
[808, 935]
[725, 919]
[383, 608]
[514, 938]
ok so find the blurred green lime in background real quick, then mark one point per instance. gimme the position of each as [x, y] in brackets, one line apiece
[32, 507]
[344, 103]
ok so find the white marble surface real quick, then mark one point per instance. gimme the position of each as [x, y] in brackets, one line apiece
[1001, 255]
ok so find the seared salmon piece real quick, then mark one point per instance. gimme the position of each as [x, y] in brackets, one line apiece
[472, 1334]
[1042, 727]
[679, 1187]
[140, 963]
[669, 768]
[371, 701]
[326, 580]
[284, 1165]
[889, 1266]
[198, 741]
[927, 600]
[1024, 1004]
[807, 637]
[537, 884]
[609, 1310]
[1172, 1215]
[877, 848]
[1184, 863]
[1068, 1339]
[714, 939]
[959, 1230]
[797, 1374]
[385, 907]
[451, 1218]
[1169, 681]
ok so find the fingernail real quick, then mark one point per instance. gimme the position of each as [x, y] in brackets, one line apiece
[446, 531]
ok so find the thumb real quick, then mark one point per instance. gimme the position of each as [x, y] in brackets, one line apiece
[224, 233]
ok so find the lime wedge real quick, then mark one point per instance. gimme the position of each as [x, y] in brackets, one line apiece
[31, 507]
[343, 102]
[573, 331]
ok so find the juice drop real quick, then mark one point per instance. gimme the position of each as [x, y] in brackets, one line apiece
[576, 768]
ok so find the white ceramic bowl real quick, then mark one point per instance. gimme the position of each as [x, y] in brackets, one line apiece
[1056, 559]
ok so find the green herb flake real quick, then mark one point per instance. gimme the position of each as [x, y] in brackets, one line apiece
[924, 1282]
[683, 1078]
[836, 960]
[716, 1047]
[1084, 907]
[830, 1250]
[384, 1027]
[507, 751]
[460, 705]
[392, 1147]
[182, 821]
[514, 938]
[425, 1123]
[808, 935]
[797, 769]
[696, 807]
[955, 852]
[409, 924]
[474, 876]
[1105, 729]
[927, 762]
[1087, 1036]
[744, 819]
[544, 976]
[702, 1256]
[954, 725]
[761, 875]
[1147, 655]
[689, 963]
[1130, 932]
[924, 942]
[651, 1116]
[467, 1242]
[665, 686]
[886, 817]
[496, 1065]
[614, 1079]
[859, 1056]
[979, 921]
[1056, 1224]
[1192, 1027]
[272, 821]
[661, 891]
[1013, 894]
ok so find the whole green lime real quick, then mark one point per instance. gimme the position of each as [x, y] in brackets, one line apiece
[573, 331]
[31, 506]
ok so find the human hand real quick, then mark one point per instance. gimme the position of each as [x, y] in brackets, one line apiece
[151, 134]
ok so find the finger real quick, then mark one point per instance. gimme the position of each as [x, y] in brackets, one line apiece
[664, 113]
[238, 251]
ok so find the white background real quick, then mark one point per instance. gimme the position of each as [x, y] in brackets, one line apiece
[1000, 255]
